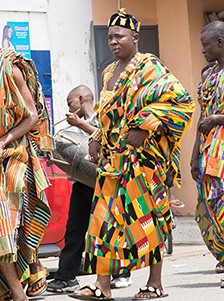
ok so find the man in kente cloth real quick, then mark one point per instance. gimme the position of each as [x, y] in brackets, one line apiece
[207, 163]
[143, 113]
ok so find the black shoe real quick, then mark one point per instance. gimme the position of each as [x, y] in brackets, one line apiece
[121, 282]
[63, 286]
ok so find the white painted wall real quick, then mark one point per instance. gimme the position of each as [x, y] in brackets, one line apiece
[65, 28]
[71, 47]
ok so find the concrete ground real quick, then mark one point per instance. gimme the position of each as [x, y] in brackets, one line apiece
[188, 275]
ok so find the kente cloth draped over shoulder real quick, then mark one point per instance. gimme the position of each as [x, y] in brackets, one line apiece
[211, 165]
[130, 212]
[24, 211]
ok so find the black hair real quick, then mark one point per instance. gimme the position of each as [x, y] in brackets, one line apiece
[215, 29]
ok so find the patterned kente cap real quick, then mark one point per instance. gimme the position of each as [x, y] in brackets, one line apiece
[124, 20]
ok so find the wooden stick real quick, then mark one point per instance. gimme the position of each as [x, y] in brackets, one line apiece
[59, 161]
[69, 139]
[64, 118]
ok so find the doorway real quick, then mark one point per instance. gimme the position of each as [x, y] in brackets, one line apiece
[148, 43]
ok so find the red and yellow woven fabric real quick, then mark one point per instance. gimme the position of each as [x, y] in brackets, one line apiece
[24, 210]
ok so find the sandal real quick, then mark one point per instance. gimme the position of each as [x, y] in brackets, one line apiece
[150, 292]
[219, 268]
[97, 294]
[34, 279]
[222, 283]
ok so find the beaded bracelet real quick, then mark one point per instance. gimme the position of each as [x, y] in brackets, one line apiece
[95, 136]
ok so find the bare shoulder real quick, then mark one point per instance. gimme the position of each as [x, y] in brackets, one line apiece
[205, 74]
[18, 76]
[21, 85]
[17, 72]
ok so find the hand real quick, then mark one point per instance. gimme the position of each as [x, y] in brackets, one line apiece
[94, 151]
[195, 170]
[206, 124]
[135, 138]
[73, 119]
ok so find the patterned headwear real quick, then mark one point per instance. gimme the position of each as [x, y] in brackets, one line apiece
[124, 20]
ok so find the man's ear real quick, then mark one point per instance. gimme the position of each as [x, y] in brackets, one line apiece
[221, 41]
[135, 37]
[81, 99]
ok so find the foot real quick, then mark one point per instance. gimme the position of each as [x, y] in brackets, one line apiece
[222, 283]
[37, 281]
[19, 297]
[121, 282]
[9, 272]
[63, 286]
[9, 297]
[103, 283]
[92, 291]
[149, 292]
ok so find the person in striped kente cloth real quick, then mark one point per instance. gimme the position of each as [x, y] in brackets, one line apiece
[24, 210]
[143, 113]
[207, 163]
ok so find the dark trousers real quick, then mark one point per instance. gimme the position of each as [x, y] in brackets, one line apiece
[77, 225]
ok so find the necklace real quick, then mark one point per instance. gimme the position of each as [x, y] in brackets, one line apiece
[107, 95]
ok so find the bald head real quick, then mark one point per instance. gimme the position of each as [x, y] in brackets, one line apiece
[80, 98]
[214, 29]
[83, 91]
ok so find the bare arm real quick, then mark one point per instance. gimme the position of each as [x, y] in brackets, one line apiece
[27, 123]
[195, 156]
[209, 122]
[74, 120]
[205, 74]
[195, 152]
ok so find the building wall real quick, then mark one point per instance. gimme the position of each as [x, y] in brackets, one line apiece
[65, 28]
[144, 10]
[175, 50]
[70, 36]
[211, 5]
